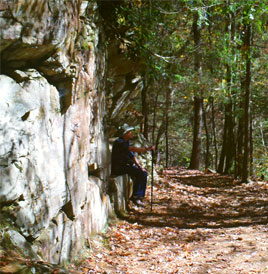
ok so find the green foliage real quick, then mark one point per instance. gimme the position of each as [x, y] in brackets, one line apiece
[261, 168]
[7, 217]
[160, 33]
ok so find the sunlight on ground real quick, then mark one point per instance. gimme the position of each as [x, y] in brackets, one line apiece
[200, 223]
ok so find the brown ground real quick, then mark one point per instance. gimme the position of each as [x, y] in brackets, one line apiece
[200, 223]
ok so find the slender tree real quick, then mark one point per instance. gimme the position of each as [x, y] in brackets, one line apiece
[145, 111]
[167, 125]
[214, 132]
[228, 145]
[198, 99]
[246, 92]
[207, 158]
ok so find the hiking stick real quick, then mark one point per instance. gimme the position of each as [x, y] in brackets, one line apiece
[152, 180]
[144, 141]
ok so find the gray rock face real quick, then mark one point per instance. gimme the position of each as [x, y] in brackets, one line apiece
[56, 114]
[52, 107]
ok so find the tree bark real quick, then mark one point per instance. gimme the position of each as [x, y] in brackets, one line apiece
[207, 159]
[247, 44]
[251, 146]
[196, 149]
[230, 145]
[198, 100]
[144, 109]
[224, 147]
[228, 149]
[155, 142]
[214, 133]
[167, 124]
[239, 149]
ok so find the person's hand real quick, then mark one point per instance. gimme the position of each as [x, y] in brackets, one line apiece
[151, 148]
[143, 169]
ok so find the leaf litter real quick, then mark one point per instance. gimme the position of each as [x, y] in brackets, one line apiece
[201, 222]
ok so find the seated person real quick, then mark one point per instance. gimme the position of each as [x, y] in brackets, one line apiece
[125, 162]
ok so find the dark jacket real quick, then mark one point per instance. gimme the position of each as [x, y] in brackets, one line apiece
[121, 156]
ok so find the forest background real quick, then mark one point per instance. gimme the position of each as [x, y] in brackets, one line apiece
[204, 71]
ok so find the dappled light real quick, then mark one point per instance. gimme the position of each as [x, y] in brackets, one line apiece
[200, 223]
[192, 199]
[189, 78]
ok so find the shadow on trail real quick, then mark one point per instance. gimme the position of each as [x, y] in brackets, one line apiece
[192, 199]
[193, 221]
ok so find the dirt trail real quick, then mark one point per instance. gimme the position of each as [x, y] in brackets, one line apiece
[200, 223]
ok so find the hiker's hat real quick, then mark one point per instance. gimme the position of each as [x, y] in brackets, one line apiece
[125, 129]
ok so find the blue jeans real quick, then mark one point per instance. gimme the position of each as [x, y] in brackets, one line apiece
[139, 178]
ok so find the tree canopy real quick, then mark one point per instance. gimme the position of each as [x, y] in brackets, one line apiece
[204, 80]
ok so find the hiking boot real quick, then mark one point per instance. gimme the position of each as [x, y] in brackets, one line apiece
[134, 199]
[139, 202]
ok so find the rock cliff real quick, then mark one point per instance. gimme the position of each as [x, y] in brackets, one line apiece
[53, 123]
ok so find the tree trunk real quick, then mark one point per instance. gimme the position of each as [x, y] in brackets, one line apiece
[167, 124]
[196, 149]
[239, 149]
[207, 159]
[247, 44]
[155, 142]
[198, 100]
[214, 133]
[251, 146]
[230, 147]
[228, 150]
[262, 136]
[224, 145]
[144, 110]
